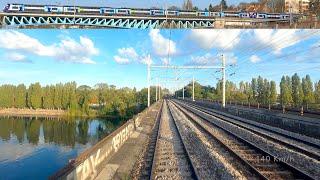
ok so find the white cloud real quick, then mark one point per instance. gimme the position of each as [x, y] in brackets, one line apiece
[211, 38]
[255, 59]
[67, 49]
[207, 59]
[16, 57]
[126, 55]
[121, 60]
[210, 59]
[161, 45]
[278, 39]
[128, 52]
[129, 55]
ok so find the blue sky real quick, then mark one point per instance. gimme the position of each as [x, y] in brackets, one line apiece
[119, 57]
[125, 3]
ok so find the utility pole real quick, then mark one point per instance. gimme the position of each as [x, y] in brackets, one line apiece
[183, 93]
[193, 88]
[148, 79]
[223, 81]
[157, 91]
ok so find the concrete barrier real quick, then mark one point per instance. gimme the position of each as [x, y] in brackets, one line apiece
[89, 163]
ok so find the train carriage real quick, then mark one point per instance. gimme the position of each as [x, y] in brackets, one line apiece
[172, 13]
[157, 12]
[243, 15]
[123, 11]
[231, 14]
[14, 8]
[107, 11]
[143, 12]
[203, 14]
[188, 13]
[215, 14]
[71, 9]
[261, 16]
[138, 12]
[53, 9]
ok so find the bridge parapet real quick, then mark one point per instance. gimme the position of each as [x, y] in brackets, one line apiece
[89, 163]
[18, 20]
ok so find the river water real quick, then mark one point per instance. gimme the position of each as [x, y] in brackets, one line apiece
[35, 148]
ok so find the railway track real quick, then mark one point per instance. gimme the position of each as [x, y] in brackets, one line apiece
[262, 163]
[171, 159]
[143, 169]
[300, 145]
[296, 112]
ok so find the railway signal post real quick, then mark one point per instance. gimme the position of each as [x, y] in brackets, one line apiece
[223, 81]
[193, 88]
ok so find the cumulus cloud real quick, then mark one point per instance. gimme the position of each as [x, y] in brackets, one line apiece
[206, 59]
[161, 45]
[210, 59]
[121, 60]
[67, 49]
[129, 55]
[16, 57]
[128, 52]
[210, 38]
[126, 55]
[255, 59]
[279, 39]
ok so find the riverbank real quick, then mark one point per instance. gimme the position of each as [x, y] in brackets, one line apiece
[32, 112]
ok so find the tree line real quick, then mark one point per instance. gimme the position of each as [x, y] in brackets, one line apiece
[294, 92]
[101, 100]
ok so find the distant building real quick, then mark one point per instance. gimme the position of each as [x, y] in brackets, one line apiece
[296, 6]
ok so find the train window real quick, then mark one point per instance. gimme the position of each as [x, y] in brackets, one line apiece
[122, 11]
[109, 11]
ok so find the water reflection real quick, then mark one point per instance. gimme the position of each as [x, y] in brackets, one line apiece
[46, 144]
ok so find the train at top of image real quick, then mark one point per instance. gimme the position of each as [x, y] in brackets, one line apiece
[110, 11]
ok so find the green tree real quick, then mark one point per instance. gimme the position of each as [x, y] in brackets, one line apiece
[20, 96]
[285, 91]
[273, 93]
[57, 101]
[211, 8]
[317, 92]
[35, 96]
[83, 98]
[187, 5]
[47, 99]
[314, 7]
[254, 87]
[297, 92]
[307, 91]
[223, 5]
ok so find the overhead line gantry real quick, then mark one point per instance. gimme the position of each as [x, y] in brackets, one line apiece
[222, 67]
